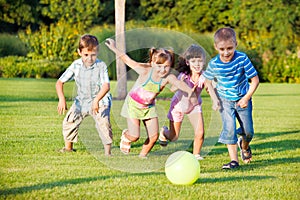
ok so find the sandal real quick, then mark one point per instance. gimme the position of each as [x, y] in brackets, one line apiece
[248, 158]
[125, 148]
[162, 138]
[231, 165]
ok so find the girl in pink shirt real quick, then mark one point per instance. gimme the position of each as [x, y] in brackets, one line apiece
[139, 106]
[190, 66]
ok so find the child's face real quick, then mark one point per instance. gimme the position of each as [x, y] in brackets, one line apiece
[162, 69]
[226, 50]
[88, 56]
[196, 64]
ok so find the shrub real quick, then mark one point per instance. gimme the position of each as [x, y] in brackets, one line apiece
[13, 66]
[283, 69]
[11, 45]
[56, 42]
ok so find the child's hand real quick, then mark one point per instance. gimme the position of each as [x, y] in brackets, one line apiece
[193, 98]
[243, 102]
[216, 105]
[95, 107]
[62, 107]
[110, 43]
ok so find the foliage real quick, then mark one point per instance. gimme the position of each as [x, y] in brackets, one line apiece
[267, 30]
[23, 67]
[275, 70]
[11, 45]
[286, 70]
[18, 13]
[73, 12]
[31, 167]
[57, 42]
[269, 26]
[266, 27]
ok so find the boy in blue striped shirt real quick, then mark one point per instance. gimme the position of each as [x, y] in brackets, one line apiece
[233, 69]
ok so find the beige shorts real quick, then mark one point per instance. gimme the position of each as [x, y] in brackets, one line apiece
[74, 118]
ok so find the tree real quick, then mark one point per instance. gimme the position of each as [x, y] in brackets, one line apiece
[120, 44]
[15, 14]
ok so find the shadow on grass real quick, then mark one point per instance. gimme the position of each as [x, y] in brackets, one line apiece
[276, 146]
[260, 136]
[29, 98]
[277, 95]
[62, 183]
[270, 162]
[232, 178]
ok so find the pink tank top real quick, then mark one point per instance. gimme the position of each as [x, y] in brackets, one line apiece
[180, 98]
[146, 93]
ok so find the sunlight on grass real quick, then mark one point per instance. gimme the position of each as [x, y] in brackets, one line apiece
[32, 168]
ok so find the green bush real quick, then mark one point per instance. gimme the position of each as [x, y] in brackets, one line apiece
[56, 42]
[13, 66]
[283, 69]
[53, 49]
[11, 45]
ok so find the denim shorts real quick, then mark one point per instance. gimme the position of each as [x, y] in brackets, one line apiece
[231, 114]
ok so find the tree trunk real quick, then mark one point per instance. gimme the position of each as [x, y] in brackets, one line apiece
[120, 44]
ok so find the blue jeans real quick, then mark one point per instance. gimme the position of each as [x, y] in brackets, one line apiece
[230, 112]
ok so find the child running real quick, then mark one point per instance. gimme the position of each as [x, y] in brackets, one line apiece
[93, 96]
[139, 105]
[191, 65]
[233, 69]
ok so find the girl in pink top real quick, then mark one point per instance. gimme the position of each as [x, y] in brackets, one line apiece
[139, 106]
[190, 66]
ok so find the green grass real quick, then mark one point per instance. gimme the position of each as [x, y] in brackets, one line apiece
[31, 167]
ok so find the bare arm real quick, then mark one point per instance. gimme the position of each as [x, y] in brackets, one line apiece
[104, 90]
[62, 105]
[181, 85]
[138, 67]
[243, 102]
[211, 91]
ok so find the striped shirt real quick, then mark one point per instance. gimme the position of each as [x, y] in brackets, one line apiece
[232, 77]
[89, 81]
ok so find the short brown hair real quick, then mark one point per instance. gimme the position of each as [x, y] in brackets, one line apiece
[88, 41]
[225, 33]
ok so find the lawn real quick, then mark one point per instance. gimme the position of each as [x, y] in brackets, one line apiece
[32, 168]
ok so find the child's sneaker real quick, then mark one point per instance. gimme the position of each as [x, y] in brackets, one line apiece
[162, 139]
[231, 165]
[198, 157]
[248, 157]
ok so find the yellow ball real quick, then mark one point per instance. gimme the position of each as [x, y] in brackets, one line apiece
[182, 168]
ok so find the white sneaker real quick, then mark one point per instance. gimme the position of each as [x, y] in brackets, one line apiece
[198, 157]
